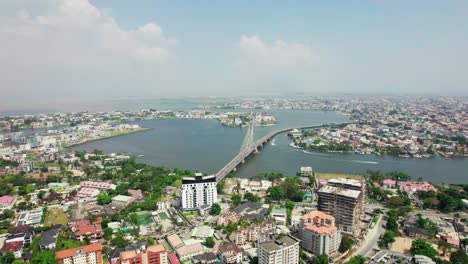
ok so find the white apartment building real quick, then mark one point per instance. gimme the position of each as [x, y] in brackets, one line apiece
[318, 233]
[198, 191]
[90, 254]
[279, 251]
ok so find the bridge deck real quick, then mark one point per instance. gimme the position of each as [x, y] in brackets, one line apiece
[242, 156]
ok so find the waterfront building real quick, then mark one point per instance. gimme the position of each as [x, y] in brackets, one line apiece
[91, 254]
[198, 191]
[307, 172]
[284, 250]
[318, 233]
[343, 204]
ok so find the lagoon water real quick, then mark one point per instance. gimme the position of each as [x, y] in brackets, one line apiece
[206, 146]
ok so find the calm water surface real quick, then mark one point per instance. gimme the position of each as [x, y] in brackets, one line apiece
[206, 146]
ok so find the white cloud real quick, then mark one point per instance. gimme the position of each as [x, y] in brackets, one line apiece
[73, 29]
[278, 53]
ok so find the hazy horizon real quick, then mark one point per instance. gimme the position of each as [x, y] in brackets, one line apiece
[60, 52]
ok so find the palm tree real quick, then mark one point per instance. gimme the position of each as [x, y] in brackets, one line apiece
[442, 245]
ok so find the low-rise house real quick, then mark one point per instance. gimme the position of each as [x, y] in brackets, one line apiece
[122, 201]
[174, 241]
[98, 185]
[173, 259]
[137, 194]
[280, 215]
[230, 253]
[15, 247]
[203, 232]
[206, 258]
[49, 238]
[7, 202]
[417, 232]
[23, 233]
[31, 217]
[92, 231]
[87, 193]
[187, 252]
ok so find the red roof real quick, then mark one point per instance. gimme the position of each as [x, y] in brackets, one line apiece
[173, 258]
[230, 247]
[12, 246]
[6, 199]
[88, 229]
[72, 251]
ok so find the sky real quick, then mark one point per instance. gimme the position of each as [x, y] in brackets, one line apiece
[65, 50]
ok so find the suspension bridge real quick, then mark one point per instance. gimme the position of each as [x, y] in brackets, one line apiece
[251, 146]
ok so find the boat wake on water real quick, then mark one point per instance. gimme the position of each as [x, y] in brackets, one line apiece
[332, 156]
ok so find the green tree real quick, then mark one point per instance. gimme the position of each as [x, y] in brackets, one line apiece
[215, 209]
[276, 193]
[119, 242]
[388, 237]
[254, 260]
[251, 197]
[134, 218]
[104, 199]
[7, 258]
[459, 257]
[44, 257]
[320, 259]
[209, 242]
[357, 260]
[443, 246]
[346, 244]
[108, 233]
[150, 241]
[236, 199]
[421, 247]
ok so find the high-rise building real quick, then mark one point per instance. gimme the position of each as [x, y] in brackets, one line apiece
[283, 250]
[155, 254]
[344, 202]
[318, 233]
[198, 191]
[91, 254]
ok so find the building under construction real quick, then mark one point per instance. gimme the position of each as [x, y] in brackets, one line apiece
[343, 199]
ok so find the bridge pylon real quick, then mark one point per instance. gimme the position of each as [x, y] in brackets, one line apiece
[249, 138]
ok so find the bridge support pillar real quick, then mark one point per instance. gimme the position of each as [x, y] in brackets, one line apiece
[256, 150]
[243, 161]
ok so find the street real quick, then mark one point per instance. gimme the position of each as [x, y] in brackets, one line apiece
[371, 239]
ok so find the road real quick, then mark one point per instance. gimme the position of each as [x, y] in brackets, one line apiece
[371, 239]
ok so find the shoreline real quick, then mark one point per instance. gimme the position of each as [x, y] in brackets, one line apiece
[291, 145]
[112, 136]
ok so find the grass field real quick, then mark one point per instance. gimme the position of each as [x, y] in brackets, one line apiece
[56, 217]
[327, 176]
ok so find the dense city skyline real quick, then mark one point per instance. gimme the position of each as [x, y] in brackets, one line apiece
[59, 50]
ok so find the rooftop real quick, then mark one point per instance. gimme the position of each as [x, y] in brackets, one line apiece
[346, 181]
[316, 213]
[340, 191]
[321, 229]
[281, 243]
[230, 247]
[199, 179]
[73, 251]
[203, 231]
[187, 250]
